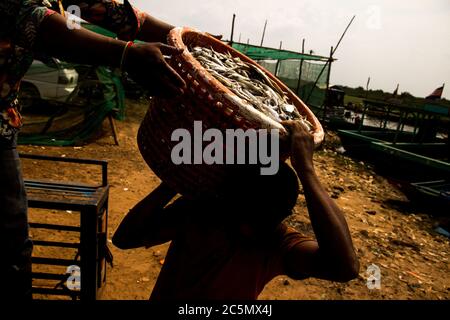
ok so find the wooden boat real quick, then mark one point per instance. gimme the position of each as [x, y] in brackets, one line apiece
[412, 161]
[357, 143]
[434, 196]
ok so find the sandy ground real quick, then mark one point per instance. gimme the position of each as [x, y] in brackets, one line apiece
[387, 230]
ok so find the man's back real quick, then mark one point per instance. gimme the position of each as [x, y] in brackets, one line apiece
[209, 260]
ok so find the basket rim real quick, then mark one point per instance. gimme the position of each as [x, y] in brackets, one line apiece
[175, 38]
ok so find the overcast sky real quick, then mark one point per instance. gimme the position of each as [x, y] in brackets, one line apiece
[401, 41]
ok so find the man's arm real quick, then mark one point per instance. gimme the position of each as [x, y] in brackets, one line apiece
[148, 223]
[332, 257]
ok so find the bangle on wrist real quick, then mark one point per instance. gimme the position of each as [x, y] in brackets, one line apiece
[124, 55]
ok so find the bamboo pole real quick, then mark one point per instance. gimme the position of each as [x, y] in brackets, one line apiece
[278, 61]
[328, 87]
[301, 67]
[367, 87]
[363, 117]
[232, 29]
[330, 61]
[329, 69]
[264, 33]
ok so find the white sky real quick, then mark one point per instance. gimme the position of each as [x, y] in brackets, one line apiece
[392, 41]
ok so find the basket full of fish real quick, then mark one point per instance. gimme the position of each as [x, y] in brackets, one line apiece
[226, 90]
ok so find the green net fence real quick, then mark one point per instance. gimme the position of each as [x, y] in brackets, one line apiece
[286, 65]
[58, 112]
[64, 121]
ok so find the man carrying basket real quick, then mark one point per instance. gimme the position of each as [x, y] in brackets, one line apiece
[230, 246]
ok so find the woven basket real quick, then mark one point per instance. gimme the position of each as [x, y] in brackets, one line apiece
[209, 101]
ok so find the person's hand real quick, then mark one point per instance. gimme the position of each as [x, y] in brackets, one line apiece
[302, 145]
[146, 64]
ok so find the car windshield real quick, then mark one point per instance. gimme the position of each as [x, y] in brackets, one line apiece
[48, 61]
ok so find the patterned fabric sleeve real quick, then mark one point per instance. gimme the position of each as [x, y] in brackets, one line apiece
[30, 16]
[122, 19]
[19, 23]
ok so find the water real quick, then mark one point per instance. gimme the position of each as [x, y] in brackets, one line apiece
[379, 123]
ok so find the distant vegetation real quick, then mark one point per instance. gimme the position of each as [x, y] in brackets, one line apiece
[357, 95]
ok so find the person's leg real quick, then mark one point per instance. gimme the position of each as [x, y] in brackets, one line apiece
[15, 245]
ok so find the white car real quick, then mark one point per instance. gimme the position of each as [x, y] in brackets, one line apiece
[47, 79]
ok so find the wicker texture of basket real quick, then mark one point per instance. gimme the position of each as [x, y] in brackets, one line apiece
[209, 101]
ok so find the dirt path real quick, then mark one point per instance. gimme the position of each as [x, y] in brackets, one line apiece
[386, 230]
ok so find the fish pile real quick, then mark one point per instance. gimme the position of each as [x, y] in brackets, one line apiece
[249, 83]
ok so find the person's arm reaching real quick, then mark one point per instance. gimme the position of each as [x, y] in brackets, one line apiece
[144, 62]
[148, 223]
[332, 257]
[124, 19]
[153, 29]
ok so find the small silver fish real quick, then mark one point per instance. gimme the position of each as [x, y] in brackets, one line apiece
[249, 83]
